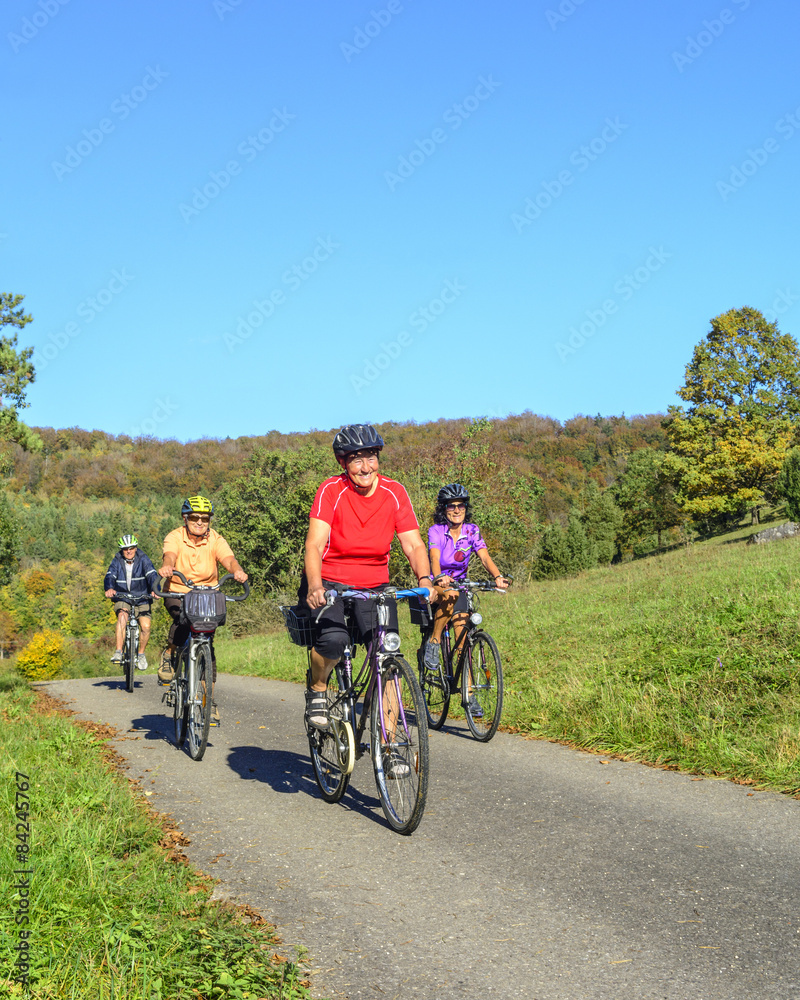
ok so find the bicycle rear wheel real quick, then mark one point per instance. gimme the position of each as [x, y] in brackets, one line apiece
[399, 745]
[333, 750]
[435, 691]
[198, 705]
[482, 686]
[127, 662]
[179, 709]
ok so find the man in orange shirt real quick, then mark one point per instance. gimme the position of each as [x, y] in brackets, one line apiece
[194, 550]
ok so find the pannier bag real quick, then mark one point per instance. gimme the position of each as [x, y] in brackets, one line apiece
[420, 612]
[203, 610]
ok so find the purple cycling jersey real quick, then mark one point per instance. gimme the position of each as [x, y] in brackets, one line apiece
[454, 556]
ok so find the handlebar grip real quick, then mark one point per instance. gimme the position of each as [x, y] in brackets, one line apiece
[235, 597]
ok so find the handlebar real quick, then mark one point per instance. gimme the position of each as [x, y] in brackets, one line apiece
[194, 586]
[399, 594]
[487, 585]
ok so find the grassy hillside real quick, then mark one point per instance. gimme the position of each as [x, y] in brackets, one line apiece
[689, 659]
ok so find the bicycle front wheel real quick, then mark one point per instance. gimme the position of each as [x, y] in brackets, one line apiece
[435, 691]
[128, 655]
[179, 709]
[333, 750]
[198, 704]
[399, 745]
[482, 686]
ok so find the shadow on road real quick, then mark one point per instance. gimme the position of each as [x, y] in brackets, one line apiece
[291, 773]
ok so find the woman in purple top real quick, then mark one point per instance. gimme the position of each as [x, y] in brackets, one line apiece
[451, 541]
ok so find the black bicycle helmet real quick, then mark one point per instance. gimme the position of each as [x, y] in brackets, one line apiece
[354, 437]
[453, 491]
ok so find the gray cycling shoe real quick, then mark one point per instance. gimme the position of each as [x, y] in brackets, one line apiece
[433, 655]
[317, 709]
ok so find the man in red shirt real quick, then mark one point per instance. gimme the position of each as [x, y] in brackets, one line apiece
[353, 520]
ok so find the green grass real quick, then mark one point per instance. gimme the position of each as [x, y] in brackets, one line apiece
[688, 660]
[111, 915]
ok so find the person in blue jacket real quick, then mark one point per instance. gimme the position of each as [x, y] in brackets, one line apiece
[132, 575]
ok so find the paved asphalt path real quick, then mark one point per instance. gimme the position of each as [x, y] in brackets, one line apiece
[537, 871]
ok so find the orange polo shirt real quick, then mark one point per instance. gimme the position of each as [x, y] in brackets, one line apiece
[196, 558]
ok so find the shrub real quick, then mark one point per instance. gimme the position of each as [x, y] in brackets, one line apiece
[44, 656]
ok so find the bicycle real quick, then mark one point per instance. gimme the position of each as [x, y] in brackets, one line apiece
[478, 672]
[189, 692]
[384, 694]
[130, 645]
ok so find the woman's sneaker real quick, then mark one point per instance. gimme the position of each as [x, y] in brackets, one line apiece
[475, 709]
[395, 765]
[141, 662]
[116, 656]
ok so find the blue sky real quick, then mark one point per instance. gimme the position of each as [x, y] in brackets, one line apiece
[230, 217]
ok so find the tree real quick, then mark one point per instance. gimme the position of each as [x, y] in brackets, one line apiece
[9, 544]
[743, 387]
[16, 374]
[646, 496]
[789, 483]
[601, 520]
[553, 559]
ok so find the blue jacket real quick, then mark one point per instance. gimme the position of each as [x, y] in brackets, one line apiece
[143, 579]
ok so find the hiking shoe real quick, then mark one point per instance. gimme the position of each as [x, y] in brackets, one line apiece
[116, 656]
[141, 662]
[215, 719]
[166, 671]
[317, 709]
[395, 765]
[475, 709]
[433, 655]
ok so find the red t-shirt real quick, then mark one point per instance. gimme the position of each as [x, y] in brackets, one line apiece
[362, 529]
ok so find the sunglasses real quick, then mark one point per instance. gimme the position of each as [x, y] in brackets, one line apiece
[202, 518]
[456, 506]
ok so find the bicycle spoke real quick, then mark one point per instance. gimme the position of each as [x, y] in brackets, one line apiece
[199, 705]
[399, 745]
[482, 686]
[333, 749]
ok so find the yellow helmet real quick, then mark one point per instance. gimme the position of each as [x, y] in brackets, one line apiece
[197, 505]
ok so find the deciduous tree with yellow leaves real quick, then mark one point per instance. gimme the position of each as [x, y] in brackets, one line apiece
[743, 386]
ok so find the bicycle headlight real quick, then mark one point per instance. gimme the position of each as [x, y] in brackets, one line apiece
[391, 642]
[476, 618]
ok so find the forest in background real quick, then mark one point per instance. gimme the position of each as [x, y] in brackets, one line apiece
[551, 499]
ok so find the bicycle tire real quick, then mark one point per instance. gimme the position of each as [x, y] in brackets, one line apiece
[198, 705]
[435, 691]
[482, 679]
[403, 796]
[333, 750]
[180, 709]
[127, 662]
